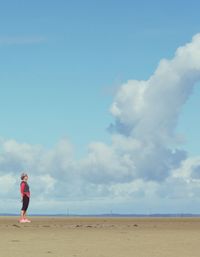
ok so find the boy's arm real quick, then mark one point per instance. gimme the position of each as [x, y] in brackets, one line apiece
[22, 189]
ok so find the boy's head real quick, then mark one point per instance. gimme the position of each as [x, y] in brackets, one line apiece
[24, 176]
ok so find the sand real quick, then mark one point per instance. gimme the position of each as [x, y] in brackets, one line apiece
[100, 237]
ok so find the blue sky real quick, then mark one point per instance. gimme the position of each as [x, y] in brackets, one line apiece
[52, 88]
[62, 62]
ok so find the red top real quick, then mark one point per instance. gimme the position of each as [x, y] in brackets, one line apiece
[22, 188]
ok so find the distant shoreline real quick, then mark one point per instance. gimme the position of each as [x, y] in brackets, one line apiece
[173, 215]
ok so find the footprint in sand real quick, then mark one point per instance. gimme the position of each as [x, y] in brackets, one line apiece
[15, 225]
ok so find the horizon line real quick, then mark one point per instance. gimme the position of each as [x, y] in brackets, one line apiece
[108, 215]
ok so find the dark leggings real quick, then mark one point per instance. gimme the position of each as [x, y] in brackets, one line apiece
[25, 203]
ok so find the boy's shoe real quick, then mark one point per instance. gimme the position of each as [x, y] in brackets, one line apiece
[22, 220]
[27, 220]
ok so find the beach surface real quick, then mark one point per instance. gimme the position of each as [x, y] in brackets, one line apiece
[100, 237]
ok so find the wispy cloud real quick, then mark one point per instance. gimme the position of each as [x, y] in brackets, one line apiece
[22, 40]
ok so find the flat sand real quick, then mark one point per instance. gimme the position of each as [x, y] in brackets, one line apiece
[100, 237]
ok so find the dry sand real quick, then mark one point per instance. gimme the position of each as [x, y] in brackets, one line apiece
[100, 237]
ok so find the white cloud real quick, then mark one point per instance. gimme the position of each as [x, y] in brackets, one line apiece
[104, 165]
[189, 170]
[143, 165]
[148, 110]
[7, 183]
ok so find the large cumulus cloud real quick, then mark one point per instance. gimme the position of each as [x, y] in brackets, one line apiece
[148, 111]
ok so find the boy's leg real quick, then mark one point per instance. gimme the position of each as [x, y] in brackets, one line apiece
[23, 210]
[22, 214]
[26, 204]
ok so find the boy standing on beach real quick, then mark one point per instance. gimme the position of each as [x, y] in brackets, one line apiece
[25, 194]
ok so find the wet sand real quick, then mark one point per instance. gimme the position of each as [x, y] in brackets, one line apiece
[100, 237]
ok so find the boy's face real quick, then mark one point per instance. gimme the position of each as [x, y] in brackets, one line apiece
[26, 178]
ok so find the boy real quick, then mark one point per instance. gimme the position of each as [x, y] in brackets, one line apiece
[25, 194]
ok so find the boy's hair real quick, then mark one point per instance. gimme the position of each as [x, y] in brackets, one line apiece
[23, 175]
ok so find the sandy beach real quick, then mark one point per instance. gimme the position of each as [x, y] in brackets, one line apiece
[100, 237]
